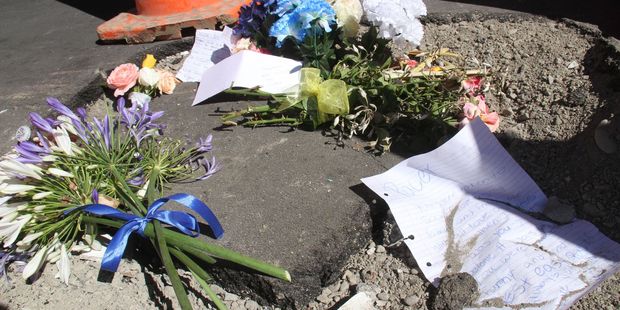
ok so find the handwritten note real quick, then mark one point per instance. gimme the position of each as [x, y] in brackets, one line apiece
[250, 69]
[210, 47]
[463, 203]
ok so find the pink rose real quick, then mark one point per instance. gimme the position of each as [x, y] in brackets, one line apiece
[167, 82]
[123, 78]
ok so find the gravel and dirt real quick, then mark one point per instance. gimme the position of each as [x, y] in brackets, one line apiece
[554, 83]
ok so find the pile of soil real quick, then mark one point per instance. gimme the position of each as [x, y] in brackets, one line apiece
[553, 83]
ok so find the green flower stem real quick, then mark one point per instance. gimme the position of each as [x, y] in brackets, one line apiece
[249, 110]
[184, 242]
[177, 285]
[202, 255]
[249, 92]
[200, 275]
[162, 246]
[133, 198]
[218, 303]
[283, 120]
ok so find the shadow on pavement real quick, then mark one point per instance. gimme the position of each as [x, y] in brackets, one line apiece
[101, 9]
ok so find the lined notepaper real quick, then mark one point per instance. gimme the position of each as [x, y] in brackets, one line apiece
[463, 205]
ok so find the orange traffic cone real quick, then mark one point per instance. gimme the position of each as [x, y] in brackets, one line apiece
[164, 19]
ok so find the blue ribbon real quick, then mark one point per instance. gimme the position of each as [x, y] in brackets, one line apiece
[184, 222]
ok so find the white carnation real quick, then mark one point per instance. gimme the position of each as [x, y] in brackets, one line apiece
[396, 19]
[349, 14]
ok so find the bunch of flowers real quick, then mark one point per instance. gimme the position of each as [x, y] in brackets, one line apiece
[141, 84]
[386, 95]
[76, 175]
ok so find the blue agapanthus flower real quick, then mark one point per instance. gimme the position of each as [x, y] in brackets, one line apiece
[252, 16]
[298, 16]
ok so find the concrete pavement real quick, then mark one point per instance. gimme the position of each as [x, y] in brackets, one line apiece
[286, 197]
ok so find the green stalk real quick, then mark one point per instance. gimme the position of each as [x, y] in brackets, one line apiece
[133, 198]
[202, 255]
[256, 109]
[200, 275]
[177, 285]
[187, 243]
[284, 120]
[218, 303]
[162, 246]
[249, 92]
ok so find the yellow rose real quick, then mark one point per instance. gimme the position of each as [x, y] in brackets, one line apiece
[167, 82]
[149, 61]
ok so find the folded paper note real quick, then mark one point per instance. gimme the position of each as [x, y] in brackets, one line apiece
[464, 205]
[210, 47]
[250, 69]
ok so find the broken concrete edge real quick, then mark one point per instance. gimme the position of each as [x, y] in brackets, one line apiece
[306, 284]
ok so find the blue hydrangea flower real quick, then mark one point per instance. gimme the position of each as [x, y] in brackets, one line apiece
[285, 6]
[296, 22]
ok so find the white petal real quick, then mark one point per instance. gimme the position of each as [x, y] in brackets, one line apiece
[49, 158]
[41, 195]
[11, 236]
[4, 199]
[17, 168]
[59, 172]
[35, 263]
[4, 211]
[63, 141]
[27, 241]
[64, 265]
[66, 124]
[15, 188]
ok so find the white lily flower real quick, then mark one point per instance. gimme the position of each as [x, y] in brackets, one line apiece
[80, 248]
[54, 256]
[59, 172]
[35, 263]
[63, 141]
[41, 195]
[64, 265]
[10, 231]
[4, 199]
[26, 242]
[9, 216]
[67, 124]
[49, 158]
[15, 188]
[16, 168]
[6, 210]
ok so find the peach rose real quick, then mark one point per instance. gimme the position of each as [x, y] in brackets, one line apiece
[123, 78]
[167, 82]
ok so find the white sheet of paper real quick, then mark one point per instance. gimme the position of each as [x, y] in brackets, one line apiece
[249, 69]
[210, 47]
[461, 203]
